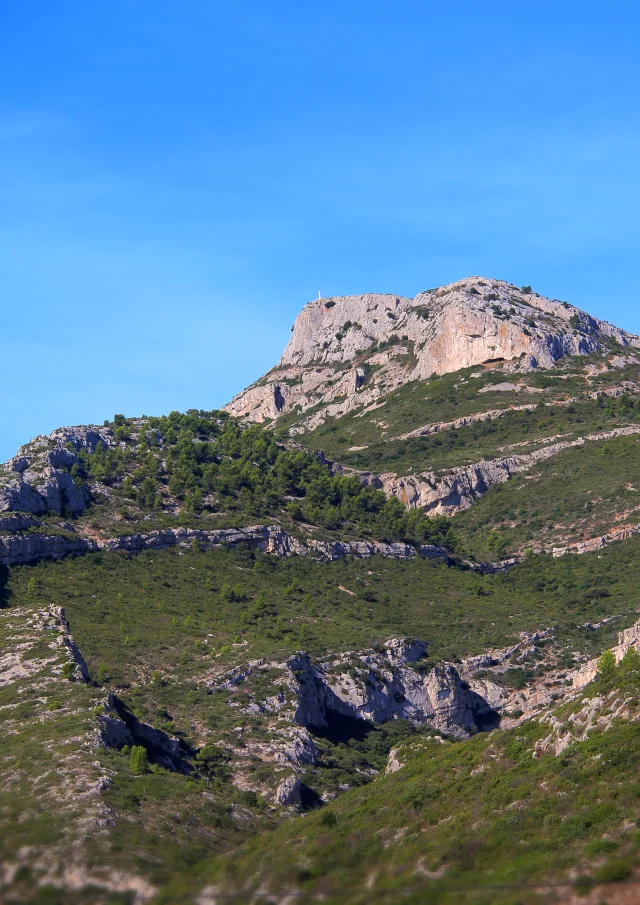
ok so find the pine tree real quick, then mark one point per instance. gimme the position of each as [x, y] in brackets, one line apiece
[138, 760]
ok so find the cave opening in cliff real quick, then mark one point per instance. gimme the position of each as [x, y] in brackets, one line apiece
[490, 362]
[487, 720]
[309, 799]
[341, 728]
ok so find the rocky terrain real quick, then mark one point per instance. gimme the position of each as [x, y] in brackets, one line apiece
[367, 602]
[456, 490]
[347, 352]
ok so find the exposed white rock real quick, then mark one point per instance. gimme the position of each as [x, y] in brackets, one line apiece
[289, 792]
[393, 762]
[627, 639]
[272, 539]
[333, 361]
[457, 488]
[376, 687]
[38, 479]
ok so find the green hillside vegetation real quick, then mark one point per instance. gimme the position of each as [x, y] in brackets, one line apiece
[204, 463]
[577, 494]
[155, 629]
[482, 812]
[497, 438]
[145, 818]
[450, 396]
[183, 614]
[161, 632]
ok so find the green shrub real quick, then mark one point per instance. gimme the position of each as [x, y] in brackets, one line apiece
[614, 869]
[573, 827]
[68, 671]
[138, 760]
[328, 818]
[607, 666]
[600, 847]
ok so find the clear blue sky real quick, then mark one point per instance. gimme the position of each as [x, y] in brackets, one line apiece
[178, 179]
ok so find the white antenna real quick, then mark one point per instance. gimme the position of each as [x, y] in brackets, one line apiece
[319, 294]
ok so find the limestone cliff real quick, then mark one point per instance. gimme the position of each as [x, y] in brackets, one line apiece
[39, 478]
[457, 489]
[346, 352]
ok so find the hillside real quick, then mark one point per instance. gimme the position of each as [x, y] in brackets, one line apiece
[359, 610]
[347, 352]
[489, 820]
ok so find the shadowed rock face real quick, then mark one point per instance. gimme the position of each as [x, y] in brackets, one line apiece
[38, 480]
[333, 697]
[336, 343]
[118, 727]
[457, 489]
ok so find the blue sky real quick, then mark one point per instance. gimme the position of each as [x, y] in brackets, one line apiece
[177, 180]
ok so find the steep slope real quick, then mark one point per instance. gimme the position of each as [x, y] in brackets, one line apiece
[347, 352]
[257, 629]
[260, 685]
[547, 812]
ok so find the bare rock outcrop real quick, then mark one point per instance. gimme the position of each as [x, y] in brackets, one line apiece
[18, 548]
[38, 479]
[347, 352]
[456, 489]
[372, 686]
[289, 792]
[118, 727]
[627, 639]
[271, 539]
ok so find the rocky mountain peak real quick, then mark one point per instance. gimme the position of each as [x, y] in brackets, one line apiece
[347, 351]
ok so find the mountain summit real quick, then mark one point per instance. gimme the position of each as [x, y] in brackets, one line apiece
[347, 352]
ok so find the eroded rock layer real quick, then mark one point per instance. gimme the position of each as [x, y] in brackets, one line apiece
[348, 351]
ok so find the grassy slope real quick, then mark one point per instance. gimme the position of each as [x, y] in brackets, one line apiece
[579, 493]
[41, 713]
[144, 623]
[67, 803]
[168, 612]
[452, 396]
[480, 812]
[487, 439]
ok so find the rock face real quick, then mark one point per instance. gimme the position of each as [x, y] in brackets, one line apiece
[372, 686]
[270, 539]
[379, 690]
[21, 548]
[456, 489]
[627, 639]
[38, 479]
[339, 699]
[289, 792]
[346, 352]
[119, 727]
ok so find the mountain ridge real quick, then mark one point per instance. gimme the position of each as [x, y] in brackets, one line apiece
[211, 625]
[348, 351]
